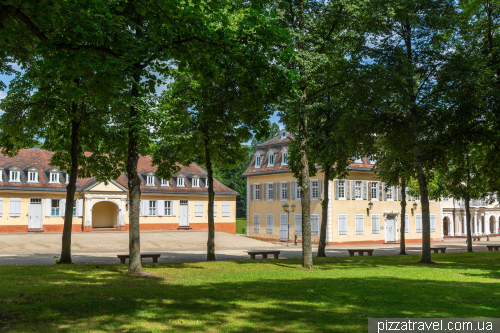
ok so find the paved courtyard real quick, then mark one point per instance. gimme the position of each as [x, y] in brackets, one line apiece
[174, 246]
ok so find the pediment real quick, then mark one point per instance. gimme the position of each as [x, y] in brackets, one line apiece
[109, 186]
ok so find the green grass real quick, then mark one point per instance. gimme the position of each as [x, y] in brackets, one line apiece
[338, 295]
[241, 222]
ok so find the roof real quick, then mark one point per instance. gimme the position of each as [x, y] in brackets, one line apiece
[40, 159]
[278, 145]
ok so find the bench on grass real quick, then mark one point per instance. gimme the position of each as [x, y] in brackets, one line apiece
[493, 247]
[360, 252]
[155, 257]
[264, 254]
[438, 249]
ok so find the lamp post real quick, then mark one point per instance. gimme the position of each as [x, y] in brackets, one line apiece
[370, 206]
[287, 211]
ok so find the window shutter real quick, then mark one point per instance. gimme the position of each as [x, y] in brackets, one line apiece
[433, 223]
[294, 189]
[319, 189]
[62, 208]
[198, 208]
[145, 208]
[364, 190]
[174, 207]
[15, 207]
[266, 188]
[359, 224]
[407, 224]
[348, 189]
[375, 224]
[380, 190]
[314, 225]
[256, 223]
[418, 223]
[385, 193]
[161, 207]
[342, 225]
[215, 208]
[336, 189]
[279, 191]
[399, 194]
[48, 203]
[393, 193]
[288, 190]
[251, 192]
[269, 223]
[1, 204]
[225, 208]
[275, 191]
[79, 207]
[369, 190]
[298, 224]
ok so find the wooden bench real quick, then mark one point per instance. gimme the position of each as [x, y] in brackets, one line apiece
[360, 252]
[476, 238]
[155, 257]
[493, 247]
[438, 249]
[264, 254]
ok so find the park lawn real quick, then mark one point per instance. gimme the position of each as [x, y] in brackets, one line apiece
[338, 295]
[241, 222]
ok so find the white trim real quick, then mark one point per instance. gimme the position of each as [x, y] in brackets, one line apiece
[338, 225]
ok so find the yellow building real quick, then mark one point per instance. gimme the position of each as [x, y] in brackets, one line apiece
[33, 195]
[270, 184]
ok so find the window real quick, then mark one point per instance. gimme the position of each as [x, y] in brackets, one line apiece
[256, 223]
[447, 199]
[314, 189]
[152, 208]
[258, 160]
[341, 189]
[388, 193]
[360, 224]
[283, 135]
[14, 176]
[284, 191]
[298, 224]
[358, 189]
[198, 209]
[54, 177]
[165, 182]
[270, 160]
[284, 158]
[150, 180]
[373, 159]
[54, 211]
[373, 190]
[74, 207]
[15, 207]
[196, 182]
[375, 224]
[270, 191]
[342, 225]
[225, 208]
[358, 160]
[416, 198]
[433, 223]
[180, 181]
[1, 175]
[407, 224]
[168, 208]
[314, 225]
[298, 193]
[206, 183]
[269, 223]
[256, 192]
[32, 176]
[418, 223]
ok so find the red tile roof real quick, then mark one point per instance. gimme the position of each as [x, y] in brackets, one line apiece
[40, 159]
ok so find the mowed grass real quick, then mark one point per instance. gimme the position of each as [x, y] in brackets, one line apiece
[338, 295]
[241, 222]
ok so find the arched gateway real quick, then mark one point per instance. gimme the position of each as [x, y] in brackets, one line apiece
[105, 214]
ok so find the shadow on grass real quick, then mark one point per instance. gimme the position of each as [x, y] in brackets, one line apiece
[338, 295]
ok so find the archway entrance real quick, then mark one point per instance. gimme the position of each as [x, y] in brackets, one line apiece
[492, 225]
[104, 215]
[446, 223]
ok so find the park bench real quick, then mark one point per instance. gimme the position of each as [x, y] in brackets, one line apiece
[155, 257]
[264, 254]
[438, 249]
[360, 252]
[476, 238]
[493, 247]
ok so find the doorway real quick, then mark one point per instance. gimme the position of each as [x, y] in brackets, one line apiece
[183, 213]
[35, 214]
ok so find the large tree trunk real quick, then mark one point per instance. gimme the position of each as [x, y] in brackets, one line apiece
[70, 192]
[467, 212]
[305, 201]
[134, 182]
[211, 224]
[402, 245]
[324, 213]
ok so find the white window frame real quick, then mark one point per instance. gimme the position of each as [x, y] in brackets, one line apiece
[256, 230]
[358, 160]
[338, 225]
[343, 183]
[269, 159]
[360, 182]
[270, 190]
[150, 180]
[168, 208]
[35, 174]
[372, 187]
[181, 182]
[362, 224]
[75, 209]
[258, 161]
[257, 191]
[165, 182]
[56, 209]
[377, 232]
[152, 208]
[54, 177]
[206, 182]
[196, 182]
[298, 191]
[1, 175]
[14, 176]
[315, 188]
[372, 159]
[272, 224]
[416, 199]
[284, 190]
[389, 190]
[284, 158]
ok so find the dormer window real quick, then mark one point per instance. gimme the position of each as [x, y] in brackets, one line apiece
[358, 160]
[180, 181]
[258, 161]
[32, 176]
[373, 159]
[270, 160]
[150, 180]
[196, 182]
[283, 134]
[1, 175]
[284, 158]
[14, 176]
[54, 177]
[206, 183]
[67, 179]
[165, 182]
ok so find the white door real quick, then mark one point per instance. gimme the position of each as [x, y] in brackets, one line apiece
[35, 213]
[390, 230]
[183, 213]
[283, 227]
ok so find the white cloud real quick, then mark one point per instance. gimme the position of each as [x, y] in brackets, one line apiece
[3, 94]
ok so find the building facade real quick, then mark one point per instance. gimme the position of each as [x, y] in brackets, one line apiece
[351, 218]
[485, 217]
[33, 195]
